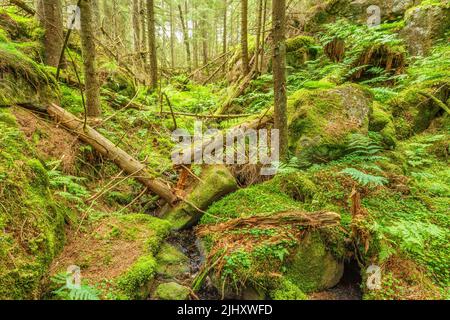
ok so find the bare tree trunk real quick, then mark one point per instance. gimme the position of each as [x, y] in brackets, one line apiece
[144, 38]
[195, 44]
[263, 40]
[244, 37]
[172, 37]
[185, 38]
[152, 44]
[204, 39]
[224, 45]
[50, 15]
[279, 72]
[89, 60]
[136, 18]
[258, 35]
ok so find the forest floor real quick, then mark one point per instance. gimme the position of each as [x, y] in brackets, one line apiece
[366, 144]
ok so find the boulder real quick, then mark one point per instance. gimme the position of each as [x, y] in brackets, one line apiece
[322, 120]
[171, 291]
[425, 24]
[172, 263]
[312, 267]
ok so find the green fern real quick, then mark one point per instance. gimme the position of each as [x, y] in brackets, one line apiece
[83, 292]
[365, 179]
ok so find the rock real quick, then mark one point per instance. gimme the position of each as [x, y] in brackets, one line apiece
[381, 121]
[171, 291]
[216, 182]
[287, 291]
[424, 25]
[321, 120]
[313, 268]
[172, 263]
[299, 50]
[413, 113]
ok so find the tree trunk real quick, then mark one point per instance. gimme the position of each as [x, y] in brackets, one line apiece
[263, 40]
[172, 37]
[244, 37]
[279, 73]
[152, 44]
[224, 44]
[108, 149]
[50, 16]
[185, 38]
[258, 35]
[136, 26]
[89, 60]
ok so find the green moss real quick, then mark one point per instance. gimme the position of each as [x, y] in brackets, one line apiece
[313, 268]
[381, 121]
[172, 262]
[216, 182]
[321, 120]
[135, 283]
[171, 291]
[287, 291]
[299, 50]
[25, 192]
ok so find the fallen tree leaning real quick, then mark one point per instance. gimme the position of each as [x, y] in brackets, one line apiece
[108, 149]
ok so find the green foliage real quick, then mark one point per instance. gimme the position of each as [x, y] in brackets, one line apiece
[365, 179]
[70, 186]
[82, 292]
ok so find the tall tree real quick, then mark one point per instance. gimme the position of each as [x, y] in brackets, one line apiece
[225, 35]
[258, 34]
[50, 15]
[92, 87]
[172, 36]
[279, 72]
[185, 38]
[244, 37]
[152, 44]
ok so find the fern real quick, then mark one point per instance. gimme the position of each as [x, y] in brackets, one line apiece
[365, 179]
[360, 145]
[70, 186]
[83, 292]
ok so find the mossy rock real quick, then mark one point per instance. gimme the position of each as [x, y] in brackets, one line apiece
[313, 268]
[299, 50]
[413, 113]
[287, 291]
[172, 263]
[171, 291]
[215, 183]
[381, 121]
[32, 220]
[320, 121]
[425, 24]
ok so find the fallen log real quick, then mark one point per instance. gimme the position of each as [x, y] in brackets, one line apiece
[22, 5]
[214, 142]
[321, 219]
[108, 149]
[238, 91]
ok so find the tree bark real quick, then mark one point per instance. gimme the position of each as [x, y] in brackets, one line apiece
[50, 16]
[225, 35]
[172, 36]
[244, 37]
[152, 44]
[92, 87]
[108, 149]
[258, 35]
[279, 73]
[185, 38]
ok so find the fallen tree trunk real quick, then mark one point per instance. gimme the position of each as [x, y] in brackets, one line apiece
[22, 5]
[322, 219]
[108, 149]
[239, 90]
[216, 141]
